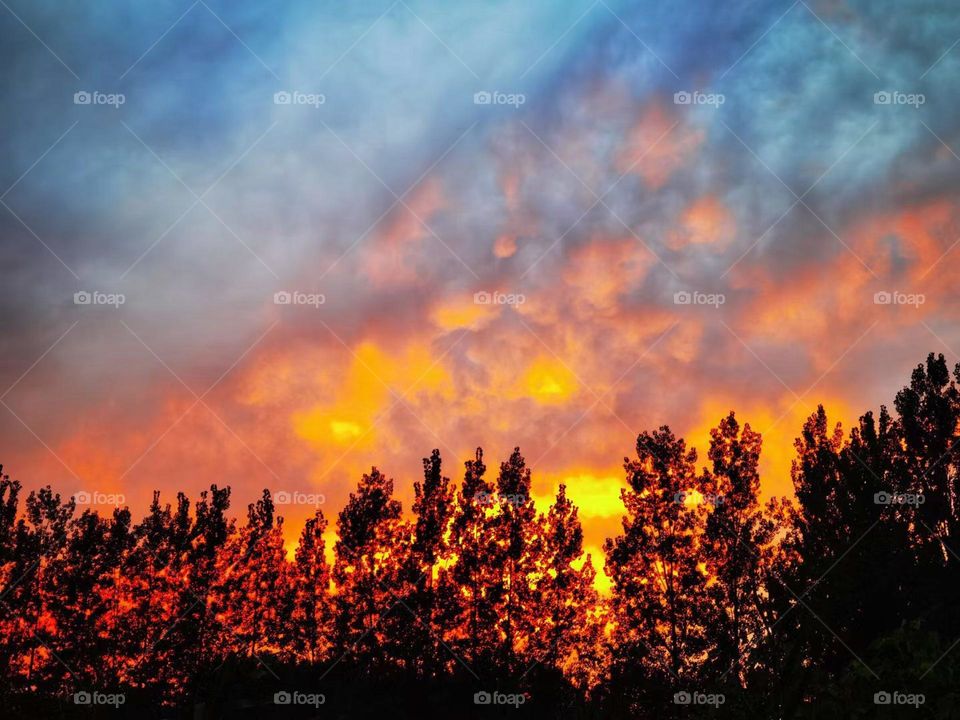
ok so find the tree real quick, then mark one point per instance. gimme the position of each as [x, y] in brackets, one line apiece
[519, 545]
[929, 424]
[658, 582]
[433, 509]
[736, 549]
[311, 604]
[467, 586]
[568, 629]
[372, 544]
[254, 592]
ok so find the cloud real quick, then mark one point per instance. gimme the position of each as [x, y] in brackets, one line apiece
[398, 199]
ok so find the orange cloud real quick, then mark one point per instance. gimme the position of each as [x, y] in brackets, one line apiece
[655, 151]
[706, 221]
[392, 257]
[505, 246]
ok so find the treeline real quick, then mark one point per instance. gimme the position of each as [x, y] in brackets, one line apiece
[840, 602]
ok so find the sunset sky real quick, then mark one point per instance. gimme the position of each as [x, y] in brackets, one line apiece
[814, 166]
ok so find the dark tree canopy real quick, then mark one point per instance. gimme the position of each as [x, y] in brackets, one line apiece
[723, 604]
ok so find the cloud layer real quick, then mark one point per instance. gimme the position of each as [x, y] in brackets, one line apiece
[662, 213]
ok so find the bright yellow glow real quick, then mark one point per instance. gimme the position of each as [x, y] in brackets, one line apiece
[595, 494]
[372, 383]
[779, 424]
[549, 381]
[344, 430]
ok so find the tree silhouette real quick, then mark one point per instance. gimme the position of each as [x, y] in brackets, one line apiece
[657, 573]
[804, 607]
[372, 544]
[312, 614]
[735, 546]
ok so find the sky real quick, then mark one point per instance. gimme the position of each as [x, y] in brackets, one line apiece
[272, 246]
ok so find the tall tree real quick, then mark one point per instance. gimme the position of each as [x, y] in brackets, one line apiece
[568, 626]
[520, 545]
[312, 616]
[736, 549]
[658, 583]
[372, 544]
[468, 584]
[433, 509]
[254, 590]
